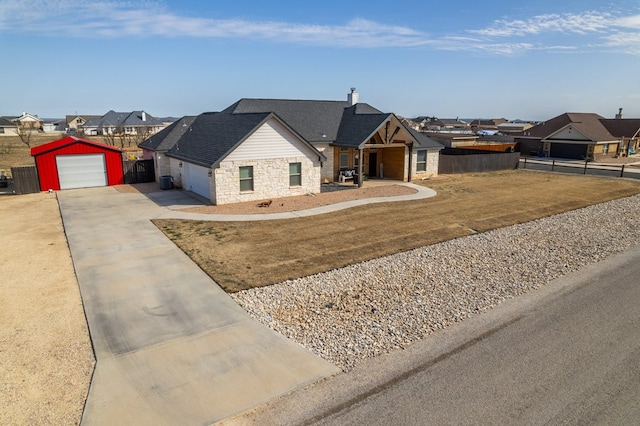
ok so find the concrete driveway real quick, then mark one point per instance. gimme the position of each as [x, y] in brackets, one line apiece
[171, 346]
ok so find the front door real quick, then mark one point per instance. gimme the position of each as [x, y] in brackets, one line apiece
[373, 165]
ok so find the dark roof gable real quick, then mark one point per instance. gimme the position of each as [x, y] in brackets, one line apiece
[315, 121]
[588, 124]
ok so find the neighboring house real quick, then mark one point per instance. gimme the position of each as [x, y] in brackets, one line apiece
[76, 122]
[136, 124]
[54, 125]
[263, 148]
[627, 131]
[513, 127]
[28, 122]
[581, 136]
[8, 127]
[156, 146]
[455, 140]
[487, 124]
[442, 125]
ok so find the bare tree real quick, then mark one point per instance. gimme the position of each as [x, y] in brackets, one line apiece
[141, 134]
[109, 137]
[24, 131]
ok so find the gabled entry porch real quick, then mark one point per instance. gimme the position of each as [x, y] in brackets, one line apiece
[385, 152]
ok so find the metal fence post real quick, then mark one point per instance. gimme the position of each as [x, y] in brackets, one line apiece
[585, 167]
[622, 171]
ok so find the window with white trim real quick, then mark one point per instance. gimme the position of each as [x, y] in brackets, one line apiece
[295, 174]
[246, 178]
[421, 162]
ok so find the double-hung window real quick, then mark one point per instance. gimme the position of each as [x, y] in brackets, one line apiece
[421, 163]
[246, 178]
[295, 174]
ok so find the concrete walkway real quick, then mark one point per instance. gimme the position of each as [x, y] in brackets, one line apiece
[171, 346]
[175, 200]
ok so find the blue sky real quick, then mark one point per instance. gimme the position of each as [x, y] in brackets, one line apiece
[471, 59]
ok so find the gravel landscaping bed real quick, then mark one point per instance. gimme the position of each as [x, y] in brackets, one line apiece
[364, 310]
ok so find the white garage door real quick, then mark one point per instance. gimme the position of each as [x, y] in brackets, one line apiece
[81, 171]
[197, 179]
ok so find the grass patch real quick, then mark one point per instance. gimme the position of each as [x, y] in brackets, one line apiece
[241, 255]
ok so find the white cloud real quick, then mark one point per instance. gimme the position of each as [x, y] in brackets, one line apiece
[629, 22]
[117, 18]
[627, 42]
[584, 23]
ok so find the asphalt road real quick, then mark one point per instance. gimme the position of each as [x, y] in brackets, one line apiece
[568, 353]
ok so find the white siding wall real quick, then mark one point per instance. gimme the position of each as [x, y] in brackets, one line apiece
[570, 134]
[271, 140]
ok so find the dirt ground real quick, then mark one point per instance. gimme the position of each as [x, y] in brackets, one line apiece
[240, 255]
[46, 358]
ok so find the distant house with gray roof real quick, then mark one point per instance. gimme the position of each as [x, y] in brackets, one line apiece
[8, 127]
[263, 148]
[136, 124]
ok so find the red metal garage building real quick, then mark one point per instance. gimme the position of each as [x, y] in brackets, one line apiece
[73, 162]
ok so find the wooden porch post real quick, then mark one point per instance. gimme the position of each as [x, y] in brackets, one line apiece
[360, 162]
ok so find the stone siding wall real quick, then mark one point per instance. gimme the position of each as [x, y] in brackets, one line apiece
[327, 165]
[162, 165]
[175, 171]
[433, 161]
[270, 180]
[433, 157]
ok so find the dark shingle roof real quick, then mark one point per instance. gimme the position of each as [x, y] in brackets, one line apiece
[622, 127]
[165, 139]
[356, 128]
[424, 140]
[589, 124]
[5, 122]
[212, 135]
[113, 118]
[316, 121]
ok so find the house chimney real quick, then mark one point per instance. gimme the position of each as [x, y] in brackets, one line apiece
[144, 116]
[619, 115]
[353, 97]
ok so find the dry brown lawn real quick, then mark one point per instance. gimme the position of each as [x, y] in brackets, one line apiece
[46, 359]
[241, 255]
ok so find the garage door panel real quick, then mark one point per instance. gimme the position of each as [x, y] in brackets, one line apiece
[569, 150]
[197, 180]
[81, 171]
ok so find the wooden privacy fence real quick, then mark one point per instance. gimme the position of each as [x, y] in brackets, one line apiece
[25, 180]
[138, 171]
[453, 160]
